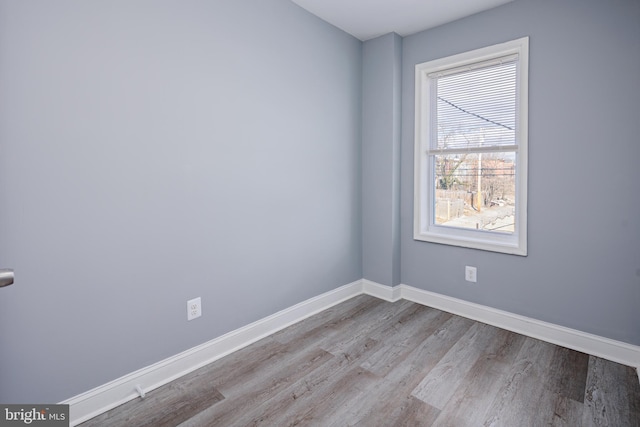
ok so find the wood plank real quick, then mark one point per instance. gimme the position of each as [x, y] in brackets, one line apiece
[482, 383]
[246, 363]
[258, 361]
[407, 412]
[612, 397]
[318, 386]
[402, 336]
[437, 388]
[389, 394]
[244, 397]
[569, 373]
[566, 380]
[166, 406]
[324, 402]
[522, 399]
[380, 317]
[567, 412]
[330, 320]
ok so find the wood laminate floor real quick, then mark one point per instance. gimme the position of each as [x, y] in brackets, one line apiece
[368, 362]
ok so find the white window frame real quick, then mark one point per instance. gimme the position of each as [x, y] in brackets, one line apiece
[425, 228]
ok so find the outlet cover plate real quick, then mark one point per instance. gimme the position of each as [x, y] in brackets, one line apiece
[194, 308]
[471, 274]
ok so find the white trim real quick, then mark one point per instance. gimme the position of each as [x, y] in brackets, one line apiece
[103, 398]
[616, 351]
[388, 293]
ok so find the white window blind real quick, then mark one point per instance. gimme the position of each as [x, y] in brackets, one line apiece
[476, 107]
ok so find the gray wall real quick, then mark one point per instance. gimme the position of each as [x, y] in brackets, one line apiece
[583, 268]
[381, 124]
[152, 151]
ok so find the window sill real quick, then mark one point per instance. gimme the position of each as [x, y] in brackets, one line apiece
[510, 244]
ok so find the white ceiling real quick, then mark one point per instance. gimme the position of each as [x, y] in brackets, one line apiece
[366, 19]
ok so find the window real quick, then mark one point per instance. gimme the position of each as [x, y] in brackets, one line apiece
[471, 149]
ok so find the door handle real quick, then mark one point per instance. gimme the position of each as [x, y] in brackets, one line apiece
[6, 277]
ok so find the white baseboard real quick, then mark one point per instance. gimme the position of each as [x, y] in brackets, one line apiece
[108, 396]
[616, 351]
[388, 293]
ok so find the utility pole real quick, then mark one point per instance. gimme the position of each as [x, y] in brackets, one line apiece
[479, 194]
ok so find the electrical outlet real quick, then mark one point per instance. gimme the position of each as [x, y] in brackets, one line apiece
[194, 308]
[470, 274]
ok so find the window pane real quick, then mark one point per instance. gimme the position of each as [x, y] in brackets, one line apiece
[477, 108]
[476, 191]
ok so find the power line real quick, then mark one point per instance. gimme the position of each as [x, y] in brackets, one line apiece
[474, 114]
